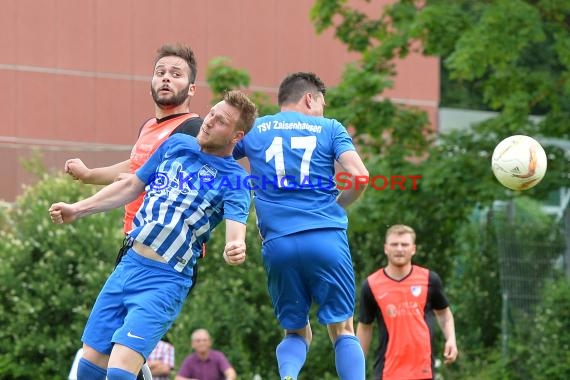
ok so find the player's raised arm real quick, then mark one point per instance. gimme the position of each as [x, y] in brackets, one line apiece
[352, 164]
[112, 196]
[96, 176]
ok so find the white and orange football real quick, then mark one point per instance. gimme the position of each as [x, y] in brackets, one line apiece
[519, 162]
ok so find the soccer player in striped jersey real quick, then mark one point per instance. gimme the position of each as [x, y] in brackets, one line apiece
[192, 184]
[403, 299]
[302, 220]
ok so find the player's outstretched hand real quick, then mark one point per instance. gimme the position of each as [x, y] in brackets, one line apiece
[76, 169]
[62, 213]
[234, 252]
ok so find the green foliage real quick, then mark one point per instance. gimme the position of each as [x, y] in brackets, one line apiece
[512, 55]
[221, 77]
[385, 130]
[485, 269]
[49, 278]
[478, 364]
[474, 287]
[455, 175]
[455, 172]
[264, 104]
[51, 274]
[34, 164]
[509, 56]
[530, 241]
[548, 347]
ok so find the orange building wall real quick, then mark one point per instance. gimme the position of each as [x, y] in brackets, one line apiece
[75, 75]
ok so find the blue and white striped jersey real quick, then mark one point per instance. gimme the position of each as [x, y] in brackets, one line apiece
[188, 194]
[292, 159]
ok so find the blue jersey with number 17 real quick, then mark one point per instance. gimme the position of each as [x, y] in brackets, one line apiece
[292, 159]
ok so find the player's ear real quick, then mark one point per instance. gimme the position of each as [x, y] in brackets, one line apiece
[191, 89]
[308, 99]
[238, 135]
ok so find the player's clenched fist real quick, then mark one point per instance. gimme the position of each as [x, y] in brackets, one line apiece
[234, 252]
[62, 213]
[76, 169]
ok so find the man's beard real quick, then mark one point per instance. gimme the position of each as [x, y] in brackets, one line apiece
[172, 101]
[209, 144]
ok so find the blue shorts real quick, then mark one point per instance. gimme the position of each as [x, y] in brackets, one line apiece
[306, 266]
[137, 305]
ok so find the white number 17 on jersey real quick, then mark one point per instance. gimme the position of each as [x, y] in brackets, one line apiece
[275, 151]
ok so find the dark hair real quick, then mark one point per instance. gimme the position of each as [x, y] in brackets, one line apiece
[247, 109]
[182, 51]
[294, 86]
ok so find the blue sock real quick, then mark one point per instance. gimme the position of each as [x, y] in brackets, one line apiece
[349, 358]
[120, 374]
[89, 371]
[291, 355]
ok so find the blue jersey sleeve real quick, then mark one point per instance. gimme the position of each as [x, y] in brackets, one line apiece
[342, 141]
[239, 150]
[236, 205]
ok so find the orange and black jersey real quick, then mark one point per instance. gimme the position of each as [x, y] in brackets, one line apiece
[404, 311]
[153, 133]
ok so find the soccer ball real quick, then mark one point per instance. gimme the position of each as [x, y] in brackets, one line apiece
[519, 162]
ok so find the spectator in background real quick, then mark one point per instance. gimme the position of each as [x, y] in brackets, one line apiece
[403, 299]
[161, 360]
[205, 363]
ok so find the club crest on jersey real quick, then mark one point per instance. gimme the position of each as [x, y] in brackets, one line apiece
[416, 290]
[207, 173]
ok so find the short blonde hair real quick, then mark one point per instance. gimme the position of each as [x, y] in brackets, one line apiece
[247, 109]
[401, 229]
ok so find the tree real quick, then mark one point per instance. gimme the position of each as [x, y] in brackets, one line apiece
[488, 46]
[496, 69]
[476, 42]
[221, 77]
[549, 340]
[49, 278]
[511, 57]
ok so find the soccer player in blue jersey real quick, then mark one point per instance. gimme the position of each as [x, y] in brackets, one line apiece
[191, 184]
[302, 220]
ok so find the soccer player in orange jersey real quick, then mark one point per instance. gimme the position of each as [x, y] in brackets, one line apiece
[172, 87]
[403, 299]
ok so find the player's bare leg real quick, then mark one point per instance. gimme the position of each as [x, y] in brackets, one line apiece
[349, 358]
[126, 359]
